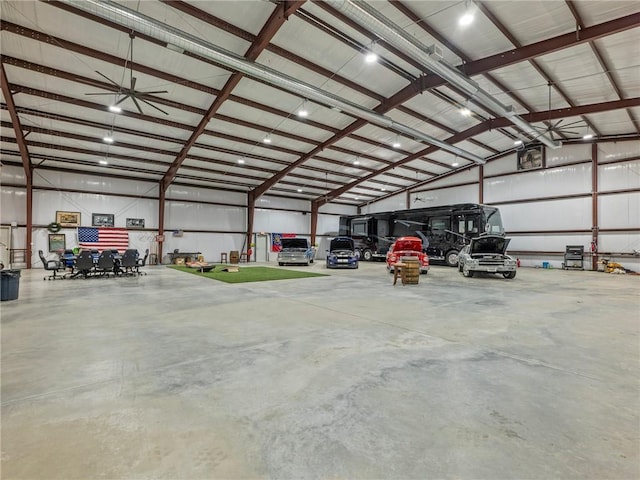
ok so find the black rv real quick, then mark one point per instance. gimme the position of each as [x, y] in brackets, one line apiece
[444, 230]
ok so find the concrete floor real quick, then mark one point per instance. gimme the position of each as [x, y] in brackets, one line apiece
[173, 376]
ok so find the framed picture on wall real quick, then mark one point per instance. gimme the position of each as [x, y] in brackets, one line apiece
[135, 222]
[68, 219]
[531, 157]
[102, 219]
[57, 242]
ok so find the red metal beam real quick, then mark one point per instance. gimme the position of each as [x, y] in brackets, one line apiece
[270, 28]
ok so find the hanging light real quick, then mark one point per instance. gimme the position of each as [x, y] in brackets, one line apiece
[588, 135]
[467, 17]
[464, 111]
[103, 162]
[455, 162]
[241, 161]
[302, 112]
[299, 190]
[108, 138]
[266, 139]
[356, 161]
[396, 142]
[517, 142]
[115, 109]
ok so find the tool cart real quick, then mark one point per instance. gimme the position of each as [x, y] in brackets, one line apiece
[573, 257]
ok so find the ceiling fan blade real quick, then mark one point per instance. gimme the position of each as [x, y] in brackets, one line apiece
[108, 79]
[137, 104]
[152, 105]
[568, 132]
[556, 124]
[113, 93]
[573, 123]
[122, 99]
[141, 94]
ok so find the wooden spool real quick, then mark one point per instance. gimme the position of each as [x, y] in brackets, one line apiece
[411, 270]
[234, 256]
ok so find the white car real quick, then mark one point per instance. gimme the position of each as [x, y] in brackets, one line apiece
[487, 253]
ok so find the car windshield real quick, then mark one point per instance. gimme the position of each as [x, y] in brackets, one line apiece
[294, 243]
[494, 221]
[341, 244]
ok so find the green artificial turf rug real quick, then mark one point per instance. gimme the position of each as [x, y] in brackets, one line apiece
[249, 274]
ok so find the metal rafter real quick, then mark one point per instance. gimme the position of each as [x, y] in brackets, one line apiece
[16, 124]
[279, 15]
[603, 63]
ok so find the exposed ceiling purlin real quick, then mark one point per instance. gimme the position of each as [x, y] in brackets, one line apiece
[279, 15]
[214, 21]
[603, 63]
[16, 125]
[535, 64]
[422, 23]
[488, 125]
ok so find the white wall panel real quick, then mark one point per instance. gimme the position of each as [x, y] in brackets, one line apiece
[618, 150]
[202, 216]
[328, 225]
[548, 243]
[47, 202]
[567, 154]
[395, 202]
[619, 210]
[465, 176]
[93, 183]
[507, 164]
[568, 214]
[540, 183]
[619, 176]
[622, 242]
[278, 221]
[338, 209]
[279, 202]
[445, 196]
[177, 192]
[13, 175]
[14, 205]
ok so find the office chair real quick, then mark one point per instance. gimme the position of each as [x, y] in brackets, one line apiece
[52, 266]
[105, 264]
[84, 264]
[142, 262]
[129, 261]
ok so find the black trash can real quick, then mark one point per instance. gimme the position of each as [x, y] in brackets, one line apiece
[9, 284]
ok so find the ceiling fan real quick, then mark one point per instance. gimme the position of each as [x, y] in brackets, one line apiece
[135, 95]
[559, 128]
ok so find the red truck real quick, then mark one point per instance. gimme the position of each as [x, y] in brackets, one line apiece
[407, 247]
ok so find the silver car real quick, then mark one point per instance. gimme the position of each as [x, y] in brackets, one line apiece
[487, 253]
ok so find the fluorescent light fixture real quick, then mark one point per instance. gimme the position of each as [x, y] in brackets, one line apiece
[455, 164]
[371, 57]
[588, 136]
[303, 110]
[267, 139]
[108, 139]
[356, 162]
[465, 112]
[299, 190]
[115, 109]
[103, 162]
[357, 198]
[383, 189]
[241, 161]
[518, 142]
[466, 19]
[396, 142]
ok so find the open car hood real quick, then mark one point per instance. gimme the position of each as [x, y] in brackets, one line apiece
[341, 244]
[489, 244]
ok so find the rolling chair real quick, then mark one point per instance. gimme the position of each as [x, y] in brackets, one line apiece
[51, 266]
[84, 264]
[142, 262]
[129, 261]
[105, 264]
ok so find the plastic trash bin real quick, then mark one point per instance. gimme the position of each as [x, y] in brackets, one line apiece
[9, 284]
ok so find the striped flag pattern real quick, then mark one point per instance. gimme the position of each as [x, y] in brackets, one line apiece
[103, 238]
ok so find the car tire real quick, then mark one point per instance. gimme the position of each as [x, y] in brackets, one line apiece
[467, 273]
[452, 258]
[509, 275]
[281, 264]
[367, 255]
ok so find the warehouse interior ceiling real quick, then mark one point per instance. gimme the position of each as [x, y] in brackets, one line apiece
[217, 102]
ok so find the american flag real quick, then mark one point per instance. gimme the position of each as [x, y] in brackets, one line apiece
[103, 238]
